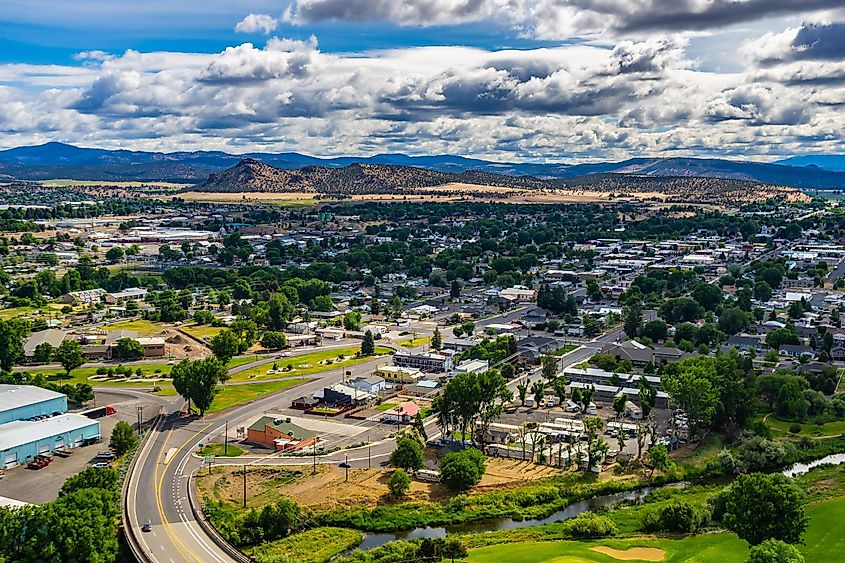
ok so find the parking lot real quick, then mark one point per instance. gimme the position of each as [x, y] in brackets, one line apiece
[43, 485]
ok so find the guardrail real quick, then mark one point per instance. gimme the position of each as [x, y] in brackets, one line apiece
[209, 528]
[128, 531]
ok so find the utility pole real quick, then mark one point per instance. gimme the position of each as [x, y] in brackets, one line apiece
[244, 486]
[369, 453]
[346, 463]
[314, 469]
[226, 440]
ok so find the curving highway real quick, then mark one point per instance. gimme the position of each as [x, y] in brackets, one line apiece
[158, 486]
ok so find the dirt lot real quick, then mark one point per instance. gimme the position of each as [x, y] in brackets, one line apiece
[366, 487]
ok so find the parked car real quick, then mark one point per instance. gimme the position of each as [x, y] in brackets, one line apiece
[105, 455]
[100, 465]
[39, 462]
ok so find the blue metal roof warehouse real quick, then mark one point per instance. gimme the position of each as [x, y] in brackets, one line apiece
[19, 402]
[22, 438]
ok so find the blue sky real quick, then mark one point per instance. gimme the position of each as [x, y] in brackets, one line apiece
[560, 80]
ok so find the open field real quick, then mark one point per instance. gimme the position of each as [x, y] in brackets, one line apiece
[202, 331]
[141, 326]
[283, 199]
[366, 487]
[306, 364]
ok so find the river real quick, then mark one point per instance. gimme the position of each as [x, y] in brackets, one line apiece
[802, 468]
[372, 540]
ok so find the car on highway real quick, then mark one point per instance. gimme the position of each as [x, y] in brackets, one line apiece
[147, 527]
[100, 465]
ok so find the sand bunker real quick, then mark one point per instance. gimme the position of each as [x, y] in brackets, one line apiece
[632, 554]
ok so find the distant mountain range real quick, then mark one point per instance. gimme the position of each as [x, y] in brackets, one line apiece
[363, 179]
[58, 160]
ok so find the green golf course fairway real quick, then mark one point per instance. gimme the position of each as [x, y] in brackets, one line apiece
[823, 541]
[709, 548]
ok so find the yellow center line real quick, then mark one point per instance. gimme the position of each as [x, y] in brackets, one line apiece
[159, 480]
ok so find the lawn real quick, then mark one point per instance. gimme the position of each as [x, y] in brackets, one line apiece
[202, 331]
[831, 429]
[141, 326]
[565, 349]
[709, 548]
[824, 540]
[82, 375]
[413, 343]
[310, 362]
[221, 450]
[233, 395]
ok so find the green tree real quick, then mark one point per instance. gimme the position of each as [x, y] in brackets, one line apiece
[105, 478]
[129, 349]
[399, 483]
[455, 289]
[12, 334]
[454, 549]
[44, 353]
[762, 291]
[114, 254]
[273, 340]
[224, 345]
[69, 355]
[760, 507]
[462, 470]
[123, 438]
[733, 320]
[549, 367]
[708, 295]
[632, 322]
[408, 455]
[693, 391]
[774, 551]
[368, 344]
[352, 320]
[436, 339]
[597, 447]
[522, 391]
[620, 401]
[655, 330]
[658, 459]
[196, 381]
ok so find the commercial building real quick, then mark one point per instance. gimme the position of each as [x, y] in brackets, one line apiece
[279, 434]
[424, 361]
[21, 440]
[52, 336]
[21, 402]
[33, 421]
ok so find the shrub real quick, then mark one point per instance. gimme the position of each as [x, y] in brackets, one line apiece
[775, 551]
[399, 483]
[795, 428]
[676, 516]
[589, 525]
